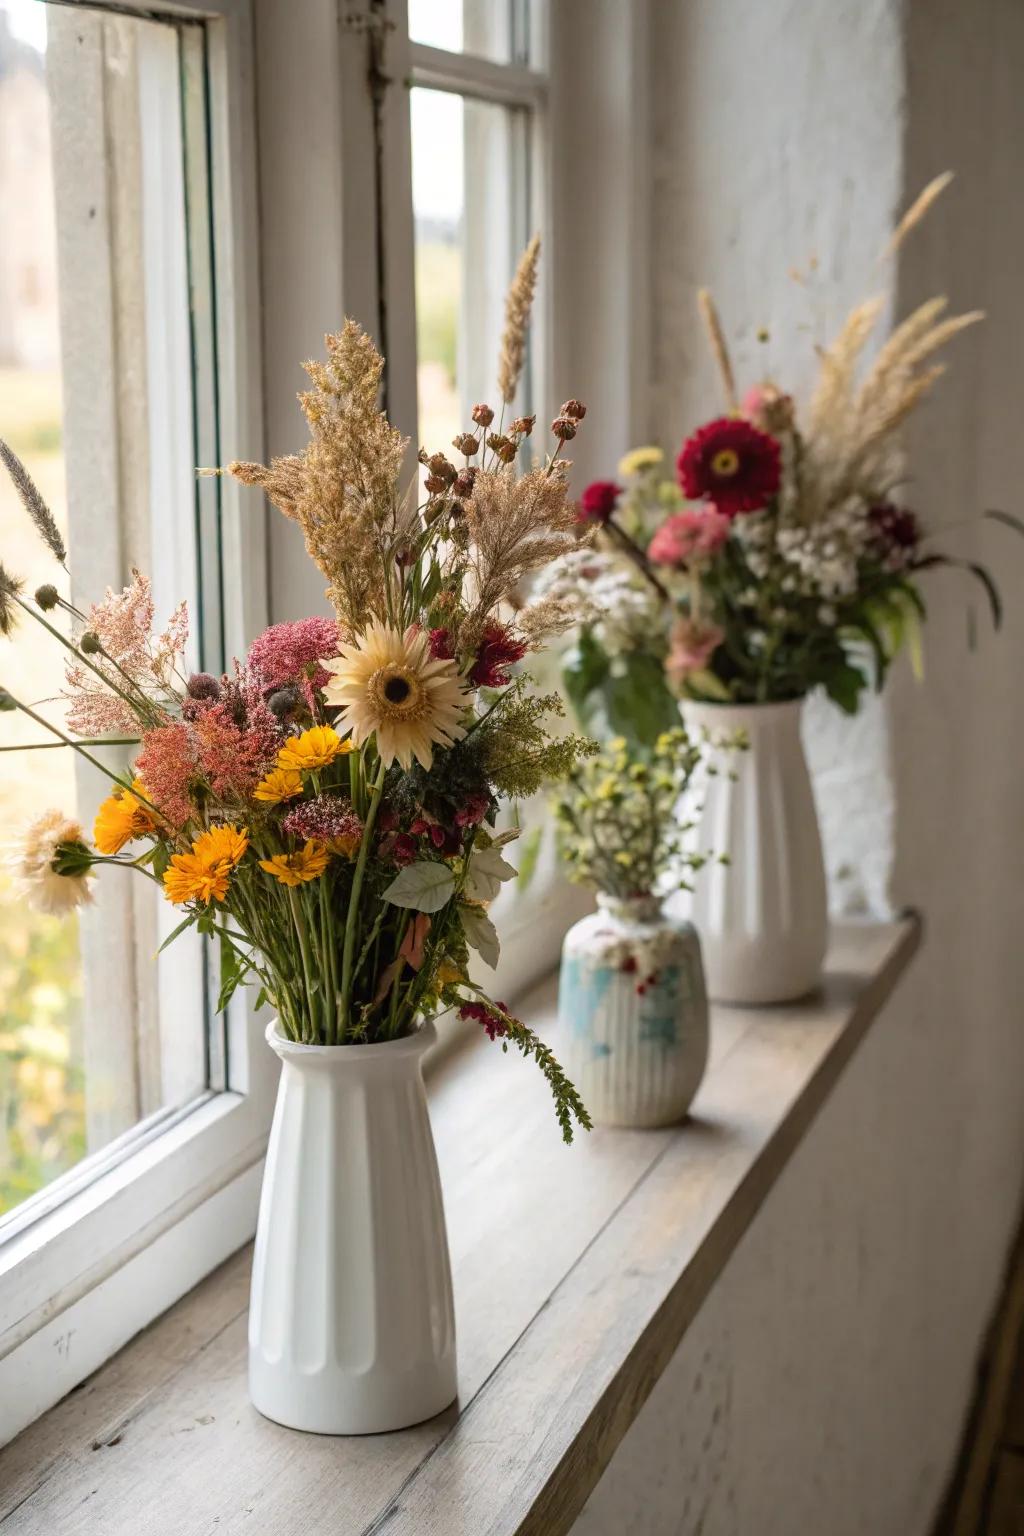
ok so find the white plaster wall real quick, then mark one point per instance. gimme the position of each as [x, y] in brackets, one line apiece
[823, 1388]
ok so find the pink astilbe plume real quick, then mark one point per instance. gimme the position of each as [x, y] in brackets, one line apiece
[289, 653]
[123, 622]
[211, 754]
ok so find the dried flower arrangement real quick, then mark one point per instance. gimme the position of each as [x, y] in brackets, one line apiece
[327, 809]
[779, 560]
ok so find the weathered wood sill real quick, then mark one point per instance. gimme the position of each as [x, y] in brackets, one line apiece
[577, 1271]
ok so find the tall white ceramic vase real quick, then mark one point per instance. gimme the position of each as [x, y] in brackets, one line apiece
[351, 1326]
[763, 917]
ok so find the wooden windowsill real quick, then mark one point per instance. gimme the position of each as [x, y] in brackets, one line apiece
[577, 1271]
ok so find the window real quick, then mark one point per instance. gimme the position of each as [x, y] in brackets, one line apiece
[98, 379]
[125, 181]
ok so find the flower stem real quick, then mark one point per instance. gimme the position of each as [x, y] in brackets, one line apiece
[352, 915]
[65, 740]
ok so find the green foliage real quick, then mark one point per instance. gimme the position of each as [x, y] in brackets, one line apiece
[620, 830]
[42, 1085]
[519, 753]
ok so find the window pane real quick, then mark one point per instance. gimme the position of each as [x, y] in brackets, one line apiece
[466, 248]
[96, 395]
[491, 29]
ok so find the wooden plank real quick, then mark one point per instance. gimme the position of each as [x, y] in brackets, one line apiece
[576, 1272]
[990, 1416]
[1006, 1511]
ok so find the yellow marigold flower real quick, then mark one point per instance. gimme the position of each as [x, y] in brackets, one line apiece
[189, 878]
[315, 748]
[203, 874]
[297, 868]
[121, 818]
[279, 784]
[222, 845]
[347, 846]
[640, 459]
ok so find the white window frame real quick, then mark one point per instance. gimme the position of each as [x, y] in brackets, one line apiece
[123, 1235]
[294, 200]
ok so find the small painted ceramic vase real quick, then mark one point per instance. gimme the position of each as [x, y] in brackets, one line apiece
[633, 1012]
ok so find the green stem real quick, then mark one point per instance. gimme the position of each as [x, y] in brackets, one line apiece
[352, 915]
[66, 740]
[307, 966]
[53, 746]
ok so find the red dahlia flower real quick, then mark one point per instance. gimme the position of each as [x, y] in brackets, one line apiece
[731, 464]
[895, 527]
[599, 501]
[499, 650]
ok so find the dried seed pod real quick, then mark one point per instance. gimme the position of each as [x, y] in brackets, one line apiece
[483, 415]
[523, 425]
[574, 409]
[504, 447]
[564, 428]
[466, 444]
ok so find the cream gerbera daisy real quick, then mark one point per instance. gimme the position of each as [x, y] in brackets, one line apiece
[387, 684]
[51, 865]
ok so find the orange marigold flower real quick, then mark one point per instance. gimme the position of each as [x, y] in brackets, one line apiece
[203, 874]
[314, 749]
[279, 784]
[121, 818]
[189, 878]
[307, 863]
[222, 845]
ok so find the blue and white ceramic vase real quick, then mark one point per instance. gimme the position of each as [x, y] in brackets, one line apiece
[633, 1012]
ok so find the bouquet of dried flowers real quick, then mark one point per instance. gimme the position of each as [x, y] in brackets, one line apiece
[617, 817]
[780, 559]
[328, 808]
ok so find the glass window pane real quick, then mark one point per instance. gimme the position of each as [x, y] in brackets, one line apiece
[486, 28]
[466, 249]
[96, 393]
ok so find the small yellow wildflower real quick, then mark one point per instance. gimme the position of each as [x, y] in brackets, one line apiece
[314, 749]
[297, 868]
[448, 973]
[279, 784]
[639, 460]
[121, 818]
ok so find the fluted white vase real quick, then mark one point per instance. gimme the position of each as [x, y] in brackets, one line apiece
[351, 1326]
[633, 1012]
[763, 917]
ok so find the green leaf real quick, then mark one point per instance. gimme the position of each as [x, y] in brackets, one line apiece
[844, 684]
[424, 887]
[160, 860]
[185, 923]
[705, 685]
[487, 870]
[638, 701]
[481, 934]
[584, 670]
[262, 999]
[528, 856]
[233, 971]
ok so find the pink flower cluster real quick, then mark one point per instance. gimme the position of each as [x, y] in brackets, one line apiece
[691, 647]
[328, 818]
[292, 653]
[123, 622]
[210, 751]
[689, 536]
[494, 1025]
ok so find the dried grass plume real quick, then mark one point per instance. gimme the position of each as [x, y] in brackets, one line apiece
[518, 304]
[33, 503]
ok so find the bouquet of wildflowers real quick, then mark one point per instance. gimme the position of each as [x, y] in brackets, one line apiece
[617, 820]
[328, 808]
[781, 558]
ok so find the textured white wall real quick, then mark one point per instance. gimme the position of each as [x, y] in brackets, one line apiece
[823, 1387]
